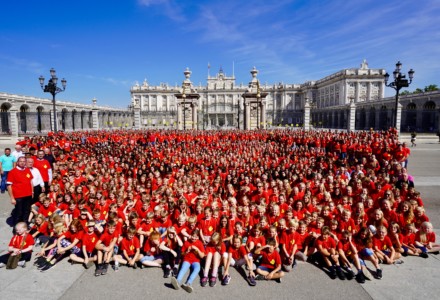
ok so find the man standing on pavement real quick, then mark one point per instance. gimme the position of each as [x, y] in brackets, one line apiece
[18, 152]
[37, 181]
[45, 169]
[20, 191]
[7, 163]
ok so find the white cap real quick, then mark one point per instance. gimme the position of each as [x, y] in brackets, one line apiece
[372, 229]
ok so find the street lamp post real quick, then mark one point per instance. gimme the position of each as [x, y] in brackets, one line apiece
[52, 88]
[399, 82]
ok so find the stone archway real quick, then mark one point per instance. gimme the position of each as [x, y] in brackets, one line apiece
[428, 116]
[40, 110]
[23, 124]
[5, 120]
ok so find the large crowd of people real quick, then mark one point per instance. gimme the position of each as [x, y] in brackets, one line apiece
[206, 201]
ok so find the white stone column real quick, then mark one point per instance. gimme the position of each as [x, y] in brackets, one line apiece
[194, 115]
[307, 116]
[247, 115]
[368, 91]
[356, 92]
[137, 117]
[179, 116]
[263, 115]
[352, 117]
[398, 118]
[95, 120]
[13, 122]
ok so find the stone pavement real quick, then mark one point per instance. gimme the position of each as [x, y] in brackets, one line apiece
[414, 279]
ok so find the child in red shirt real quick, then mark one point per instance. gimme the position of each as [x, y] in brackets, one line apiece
[130, 249]
[327, 254]
[288, 242]
[21, 243]
[88, 254]
[238, 257]
[425, 239]
[270, 267]
[215, 252]
[192, 251]
[105, 248]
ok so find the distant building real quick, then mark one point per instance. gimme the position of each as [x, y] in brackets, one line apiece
[221, 98]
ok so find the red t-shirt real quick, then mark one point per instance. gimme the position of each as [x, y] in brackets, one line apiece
[151, 249]
[430, 238]
[345, 246]
[237, 253]
[192, 256]
[384, 244]
[270, 260]
[207, 226]
[21, 182]
[72, 236]
[90, 240]
[47, 211]
[327, 244]
[43, 166]
[17, 239]
[212, 249]
[130, 246]
[289, 239]
[106, 238]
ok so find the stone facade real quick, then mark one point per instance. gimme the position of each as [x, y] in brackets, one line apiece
[22, 115]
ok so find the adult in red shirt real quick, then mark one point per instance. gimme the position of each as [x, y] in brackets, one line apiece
[20, 191]
[45, 169]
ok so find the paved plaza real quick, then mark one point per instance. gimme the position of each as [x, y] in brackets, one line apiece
[416, 278]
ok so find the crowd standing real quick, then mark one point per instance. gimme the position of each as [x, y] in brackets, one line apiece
[206, 201]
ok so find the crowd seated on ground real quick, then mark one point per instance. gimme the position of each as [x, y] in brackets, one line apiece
[205, 201]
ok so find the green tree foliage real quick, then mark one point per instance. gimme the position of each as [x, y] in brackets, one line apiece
[428, 88]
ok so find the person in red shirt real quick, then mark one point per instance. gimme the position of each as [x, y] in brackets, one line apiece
[20, 190]
[425, 239]
[207, 226]
[288, 245]
[327, 254]
[238, 257]
[347, 254]
[105, 248]
[172, 250]
[383, 247]
[256, 240]
[22, 243]
[70, 240]
[270, 267]
[40, 231]
[193, 251]
[129, 251]
[215, 252]
[88, 254]
[45, 169]
[153, 254]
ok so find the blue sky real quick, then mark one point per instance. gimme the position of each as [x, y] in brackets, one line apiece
[103, 47]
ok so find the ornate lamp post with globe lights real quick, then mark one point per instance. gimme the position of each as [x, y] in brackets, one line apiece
[52, 88]
[399, 82]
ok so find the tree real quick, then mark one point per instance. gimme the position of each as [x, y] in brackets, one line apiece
[405, 92]
[431, 88]
[418, 91]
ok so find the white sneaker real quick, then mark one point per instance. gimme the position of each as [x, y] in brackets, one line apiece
[2, 265]
[22, 263]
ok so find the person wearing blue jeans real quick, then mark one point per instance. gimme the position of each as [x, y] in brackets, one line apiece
[193, 251]
[7, 163]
